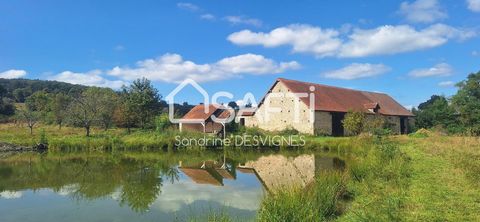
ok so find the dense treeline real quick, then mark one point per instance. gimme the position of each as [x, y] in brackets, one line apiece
[137, 105]
[459, 114]
[19, 89]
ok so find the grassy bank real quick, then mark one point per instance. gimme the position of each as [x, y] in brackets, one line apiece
[435, 178]
[70, 138]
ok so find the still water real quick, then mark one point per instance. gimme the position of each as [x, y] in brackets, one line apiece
[148, 186]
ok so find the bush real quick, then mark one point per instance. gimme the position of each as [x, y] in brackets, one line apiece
[43, 137]
[289, 131]
[354, 122]
[162, 122]
[421, 133]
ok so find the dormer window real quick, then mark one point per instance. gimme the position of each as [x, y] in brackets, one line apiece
[372, 107]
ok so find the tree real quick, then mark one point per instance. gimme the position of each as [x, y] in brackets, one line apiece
[59, 108]
[40, 102]
[435, 112]
[30, 117]
[6, 107]
[85, 110]
[234, 105]
[125, 114]
[467, 102]
[142, 101]
[106, 115]
[354, 122]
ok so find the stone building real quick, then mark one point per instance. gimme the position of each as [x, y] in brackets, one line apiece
[319, 109]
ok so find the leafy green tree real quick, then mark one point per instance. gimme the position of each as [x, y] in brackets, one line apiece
[126, 113]
[6, 107]
[86, 110]
[40, 102]
[111, 102]
[59, 108]
[142, 101]
[354, 122]
[467, 102]
[435, 112]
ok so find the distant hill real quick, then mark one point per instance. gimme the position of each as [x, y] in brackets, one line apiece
[19, 89]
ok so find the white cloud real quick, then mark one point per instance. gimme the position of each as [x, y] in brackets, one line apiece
[389, 40]
[424, 11]
[302, 38]
[188, 6]
[13, 74]
[357, 71]
[441, 69]
[409, 107]
[173, 68]
[474, 5]
[237, 20]
[91, 78]
[446, 84]
[119, 48]
[184, 193]
[383, 40]
[207, 17]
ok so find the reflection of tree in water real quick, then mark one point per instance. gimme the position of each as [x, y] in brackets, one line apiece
[134, 179]
[141, 189]
[138, 181]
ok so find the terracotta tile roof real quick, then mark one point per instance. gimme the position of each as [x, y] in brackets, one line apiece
[198, 112]
[225, 173]
[336, 99]
[247, 112]
[246, 170]
[203, 176]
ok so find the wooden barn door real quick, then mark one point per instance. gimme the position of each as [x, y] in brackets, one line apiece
[337, 125]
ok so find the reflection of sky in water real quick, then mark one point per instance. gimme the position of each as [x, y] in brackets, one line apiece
[239, 197]
[121, 189]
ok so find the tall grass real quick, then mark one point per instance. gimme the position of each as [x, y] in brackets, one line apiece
[317, 202]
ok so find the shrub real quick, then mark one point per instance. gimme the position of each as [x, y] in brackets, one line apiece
[289, 131]
[43, 137]
[162, 122]
[354, 122]
[421, 133]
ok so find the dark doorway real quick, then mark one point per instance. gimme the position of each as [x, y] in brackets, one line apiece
[403, 125]
[242, 121]
[337, 125]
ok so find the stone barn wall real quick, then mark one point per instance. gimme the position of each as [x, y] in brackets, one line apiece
[285, 118]
[323, 123]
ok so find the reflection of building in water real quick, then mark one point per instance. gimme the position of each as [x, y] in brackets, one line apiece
[209, 172]
[274, 171]
[277, 171]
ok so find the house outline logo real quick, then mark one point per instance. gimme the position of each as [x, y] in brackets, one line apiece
[171, 101]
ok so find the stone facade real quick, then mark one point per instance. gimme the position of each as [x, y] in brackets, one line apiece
[285, 117]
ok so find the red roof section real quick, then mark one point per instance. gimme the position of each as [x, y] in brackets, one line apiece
[202, 176]
[198, 112]
[336, 99]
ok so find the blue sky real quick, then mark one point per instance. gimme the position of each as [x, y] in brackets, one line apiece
[408, 49]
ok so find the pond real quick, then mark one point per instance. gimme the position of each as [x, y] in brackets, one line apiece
[149, 186]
